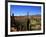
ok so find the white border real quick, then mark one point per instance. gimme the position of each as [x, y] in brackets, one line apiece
[24, 32]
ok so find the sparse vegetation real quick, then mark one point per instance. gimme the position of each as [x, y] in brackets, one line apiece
[21, 23]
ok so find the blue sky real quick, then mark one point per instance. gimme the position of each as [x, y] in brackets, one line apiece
[20, 10]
